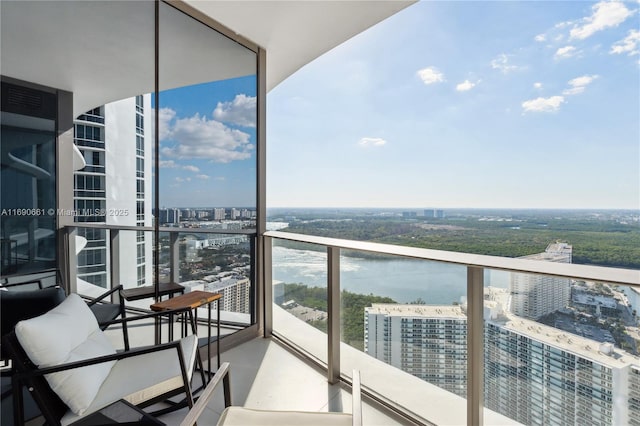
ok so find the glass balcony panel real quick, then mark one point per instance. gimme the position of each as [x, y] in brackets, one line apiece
[207, 175]
[567, 344]
[300, 296]
[207, 124]
[411, 316]
[217, 263]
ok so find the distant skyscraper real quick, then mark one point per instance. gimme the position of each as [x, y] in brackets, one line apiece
[219, 214]
[434, 214]
[169, 216]
[533, 296]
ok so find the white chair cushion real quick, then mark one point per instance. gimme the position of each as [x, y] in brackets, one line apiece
[144, 377]
[238, 416]
[67, 333]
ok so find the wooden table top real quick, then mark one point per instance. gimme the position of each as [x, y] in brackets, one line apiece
[193, 299]
[137, 293]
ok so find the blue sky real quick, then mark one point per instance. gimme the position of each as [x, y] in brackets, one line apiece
[207, 145]
[445, 104]
[466, 104]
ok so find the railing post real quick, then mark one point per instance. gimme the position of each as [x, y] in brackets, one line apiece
[333, 310]
[72, 260]
[174, 257]
[475, 345]
[114, 259]
[267, 269]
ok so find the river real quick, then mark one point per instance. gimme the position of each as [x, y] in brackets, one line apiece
[403, 280]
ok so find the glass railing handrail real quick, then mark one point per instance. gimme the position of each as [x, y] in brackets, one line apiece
[610, 275]
[164, 229]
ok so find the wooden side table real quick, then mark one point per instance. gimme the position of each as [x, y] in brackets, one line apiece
[194, 300]
[166, 289]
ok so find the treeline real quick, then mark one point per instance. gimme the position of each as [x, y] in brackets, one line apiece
[594, 242]
[353, 304]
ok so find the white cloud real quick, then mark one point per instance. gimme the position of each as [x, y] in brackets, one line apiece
[241, 111]
[179, 179]
[191, 168]
[502, 63]
[579, 84]
[565, 52]
[537, 85]
[169, 164]
[372, 142]
[465, 86]
[220, 178]
[430, 75]
[199, 137]
[203, 177]
[543, 104]
[628, 45]
[605, 14]
[165, 118]
[540, 37]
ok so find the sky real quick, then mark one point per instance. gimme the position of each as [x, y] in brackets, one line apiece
[208, 144]
[477, 104]
[466, 104]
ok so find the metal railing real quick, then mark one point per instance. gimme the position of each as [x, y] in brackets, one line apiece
[475, 265]
[115, 254]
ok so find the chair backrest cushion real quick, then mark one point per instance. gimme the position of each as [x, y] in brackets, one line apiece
[68, 333]
[19, 305]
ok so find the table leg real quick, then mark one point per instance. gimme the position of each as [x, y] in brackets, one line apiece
[208, 342]
[218, 333]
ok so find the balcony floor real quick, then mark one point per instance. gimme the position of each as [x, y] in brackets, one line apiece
[265, 375]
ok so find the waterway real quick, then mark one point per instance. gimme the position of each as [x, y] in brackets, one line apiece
[403, 280]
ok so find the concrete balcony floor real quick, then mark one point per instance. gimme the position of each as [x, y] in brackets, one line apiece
[266, 375]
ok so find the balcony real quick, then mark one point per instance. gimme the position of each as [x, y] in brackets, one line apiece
[394, 395]
[295, 328]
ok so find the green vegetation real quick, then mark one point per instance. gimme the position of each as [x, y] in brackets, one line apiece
[596, 241]
[353, 304]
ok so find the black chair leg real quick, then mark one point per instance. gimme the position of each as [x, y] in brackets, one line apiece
[18, 406]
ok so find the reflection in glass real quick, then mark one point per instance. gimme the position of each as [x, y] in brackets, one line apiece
[207, 162]
[28, 203]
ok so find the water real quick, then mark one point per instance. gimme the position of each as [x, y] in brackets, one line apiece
[403, 280]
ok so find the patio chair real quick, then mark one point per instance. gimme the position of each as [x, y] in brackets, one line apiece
[239, 416]
[16, 306]
[71, 369]
[104, 311]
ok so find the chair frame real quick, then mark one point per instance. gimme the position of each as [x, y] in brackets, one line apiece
[52, 408]
[90, 301]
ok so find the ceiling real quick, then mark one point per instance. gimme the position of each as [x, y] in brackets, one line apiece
[103, 51]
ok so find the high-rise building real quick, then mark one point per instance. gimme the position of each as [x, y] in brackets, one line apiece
[219, 214]
[169, 216]
[533, 373]
[533, 296]
[235, 293]
[114, 188]
[426, 341]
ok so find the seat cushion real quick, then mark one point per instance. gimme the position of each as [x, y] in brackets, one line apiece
[69, 332]
[142, 378]
[238, 416]
[105, 312]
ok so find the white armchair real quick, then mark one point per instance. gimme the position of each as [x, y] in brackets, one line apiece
[239, 416]
[72, 370]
